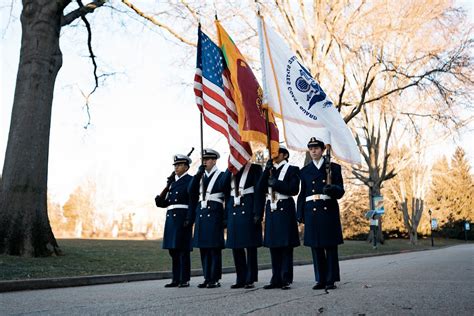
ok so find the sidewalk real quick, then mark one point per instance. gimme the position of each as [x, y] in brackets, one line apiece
[48, 283]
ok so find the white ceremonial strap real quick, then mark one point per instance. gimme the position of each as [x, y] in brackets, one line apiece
[217, 197]
[282, 174]
[177, 206]
[241, 190]
[242, 193]
[209, 188]
[315, 197]
[278, 196]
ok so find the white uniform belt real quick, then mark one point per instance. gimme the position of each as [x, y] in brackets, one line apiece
[177, 206]
[243, 192]
[216, 197]
[278, 196]
[315, 197]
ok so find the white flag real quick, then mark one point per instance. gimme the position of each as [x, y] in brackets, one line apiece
[299, 101]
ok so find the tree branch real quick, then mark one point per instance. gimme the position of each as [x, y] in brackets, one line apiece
[157, 23]
[92, 56]
[367, 84]
[81, 11]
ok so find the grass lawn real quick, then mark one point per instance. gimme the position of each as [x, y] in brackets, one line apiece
[96, 257]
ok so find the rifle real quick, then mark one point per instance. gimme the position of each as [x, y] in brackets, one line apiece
[168, 184]
[327, 162]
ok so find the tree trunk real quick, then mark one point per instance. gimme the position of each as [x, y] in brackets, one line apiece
[413, 236]
[24, 225]
[375, 191]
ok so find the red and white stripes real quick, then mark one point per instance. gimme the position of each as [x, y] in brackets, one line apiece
[220, 113]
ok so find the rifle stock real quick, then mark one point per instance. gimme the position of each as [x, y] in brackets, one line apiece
[327, 161]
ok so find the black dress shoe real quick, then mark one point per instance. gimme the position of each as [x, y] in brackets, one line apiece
[184, 284]
[286, 286]
[319, 286]
[172, 284]
[331, 287]
[203, 285]
[237, 286]
[213, 285]
[249, 286]
[272, 286]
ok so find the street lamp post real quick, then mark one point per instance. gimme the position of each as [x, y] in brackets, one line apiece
[431, 229]
[466, 225]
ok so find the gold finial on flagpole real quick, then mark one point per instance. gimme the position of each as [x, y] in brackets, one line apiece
[215, 11]
[258, 7]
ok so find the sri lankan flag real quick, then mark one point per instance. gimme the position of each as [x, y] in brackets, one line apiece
[247, 96]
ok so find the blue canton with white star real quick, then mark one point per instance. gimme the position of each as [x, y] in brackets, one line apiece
[210, 60]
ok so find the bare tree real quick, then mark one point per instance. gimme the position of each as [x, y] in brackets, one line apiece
[24, 225]
[410, 187]
[373, 143]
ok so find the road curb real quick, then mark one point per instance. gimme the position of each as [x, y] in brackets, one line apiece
[38, 284]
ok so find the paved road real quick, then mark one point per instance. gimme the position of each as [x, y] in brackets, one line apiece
[435, 282]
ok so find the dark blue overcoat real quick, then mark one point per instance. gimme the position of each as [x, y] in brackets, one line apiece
[176, 236]
[281, 228]
[321, 217]
[242, 232]
[208, 221]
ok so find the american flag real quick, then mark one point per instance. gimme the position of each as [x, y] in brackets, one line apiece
[214, 100]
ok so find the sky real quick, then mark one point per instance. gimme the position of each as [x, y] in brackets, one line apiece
[140, 116]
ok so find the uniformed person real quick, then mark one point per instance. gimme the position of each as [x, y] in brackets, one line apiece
[243, 233]
[278, 183]
[177, 237]
[319, 211]
[207, 213]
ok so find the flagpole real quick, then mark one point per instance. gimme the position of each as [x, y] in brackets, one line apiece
[267, 126]
[267, 45]
[265, 101]
[201, 116]
[202, 108]
[264, 86]
[202, 137]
